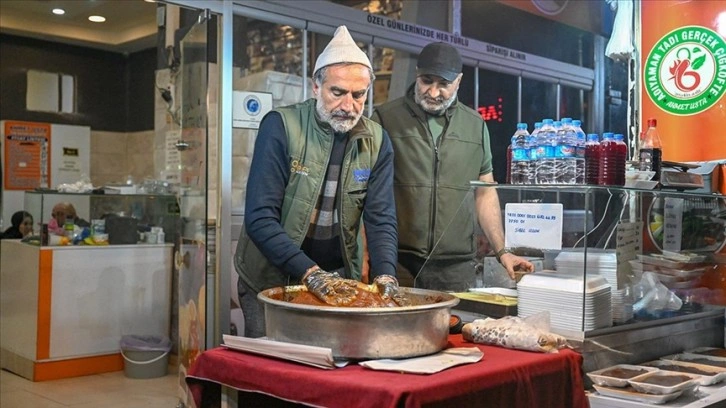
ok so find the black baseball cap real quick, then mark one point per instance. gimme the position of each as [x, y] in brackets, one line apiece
[439, 59]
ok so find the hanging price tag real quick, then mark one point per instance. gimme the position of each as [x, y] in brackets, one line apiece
[672, 224]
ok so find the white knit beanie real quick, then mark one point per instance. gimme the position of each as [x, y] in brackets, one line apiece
[341, 48]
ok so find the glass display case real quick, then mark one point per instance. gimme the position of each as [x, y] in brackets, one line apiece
[614, 266]
[124, 218]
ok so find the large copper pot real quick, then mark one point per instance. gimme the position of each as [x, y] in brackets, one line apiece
[363, 333]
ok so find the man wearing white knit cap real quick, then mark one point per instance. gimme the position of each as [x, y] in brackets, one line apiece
[319, 169]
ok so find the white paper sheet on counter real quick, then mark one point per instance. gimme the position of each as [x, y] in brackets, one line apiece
[428, 364]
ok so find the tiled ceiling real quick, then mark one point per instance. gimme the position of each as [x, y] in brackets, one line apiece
[130, 24]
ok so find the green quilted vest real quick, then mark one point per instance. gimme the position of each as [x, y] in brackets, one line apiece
[309, 146]
[431, 186]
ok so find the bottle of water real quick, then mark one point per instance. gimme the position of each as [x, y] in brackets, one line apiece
[532, 141]
[621, 155]
[592, 159]
[545, 153]
[579, 152]
[520, 155]
[564, 155]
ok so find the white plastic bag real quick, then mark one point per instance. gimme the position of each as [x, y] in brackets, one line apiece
[620, 46]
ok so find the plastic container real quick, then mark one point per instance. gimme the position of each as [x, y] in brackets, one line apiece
[145, 356]
[607, 175]
[592, 159]
[520, 156]
[618, 375]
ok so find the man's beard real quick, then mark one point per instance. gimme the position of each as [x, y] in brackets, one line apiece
[340, 120]
[433, 106]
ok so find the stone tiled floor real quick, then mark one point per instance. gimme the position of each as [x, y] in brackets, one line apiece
[109, 390]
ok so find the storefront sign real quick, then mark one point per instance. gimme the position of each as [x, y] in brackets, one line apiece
[685, 73]
[250, 108]
[533, 226]
[440, 36]
[27, 158]
[687, 132]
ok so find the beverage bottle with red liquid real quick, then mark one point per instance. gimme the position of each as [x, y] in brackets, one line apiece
[592, 159]
[621, 158]
[651, 151]
[608, 159]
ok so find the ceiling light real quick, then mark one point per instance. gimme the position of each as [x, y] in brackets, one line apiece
[150, 1]
[97, 19]
[59, 11]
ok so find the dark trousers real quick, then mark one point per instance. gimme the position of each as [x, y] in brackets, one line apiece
[252, 309]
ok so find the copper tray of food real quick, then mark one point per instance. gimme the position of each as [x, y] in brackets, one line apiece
[361, 332]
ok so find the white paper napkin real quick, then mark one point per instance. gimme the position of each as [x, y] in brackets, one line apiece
[428, 364]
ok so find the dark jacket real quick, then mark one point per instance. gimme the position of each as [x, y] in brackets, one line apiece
[286, 177]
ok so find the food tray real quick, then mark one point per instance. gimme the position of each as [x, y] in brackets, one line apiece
[629, 393]
[697, 359]
[601, 377]
[690, 273]
[552, 281]
[709, 374]
[659, 260]
[642, 383]
[496, 291]
[708, 351]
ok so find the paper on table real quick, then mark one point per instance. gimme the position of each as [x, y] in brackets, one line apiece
[320, 357]
[428, 364]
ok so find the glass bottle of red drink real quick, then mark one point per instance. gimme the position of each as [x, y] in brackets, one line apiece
[608, 159]
[592, 159]
[651, 153]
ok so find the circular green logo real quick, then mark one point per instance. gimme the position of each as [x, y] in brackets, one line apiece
[685, 72]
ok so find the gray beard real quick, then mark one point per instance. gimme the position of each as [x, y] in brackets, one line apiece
[339, 125]
[436, 108]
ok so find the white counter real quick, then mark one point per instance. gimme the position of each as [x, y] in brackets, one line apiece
[63, 309]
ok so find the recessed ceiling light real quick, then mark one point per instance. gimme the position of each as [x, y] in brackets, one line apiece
[59, 11]
[97, 19]
[150, 1]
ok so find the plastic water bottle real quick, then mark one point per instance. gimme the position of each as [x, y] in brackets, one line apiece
[621, 157]
[592, 159]
[508, 180]
[545, 153]
[564, 163]
[608, 160]
[532, 141]
[580, 139]
[520, 155]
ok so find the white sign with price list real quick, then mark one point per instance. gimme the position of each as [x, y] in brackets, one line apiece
[533, 226]
[249, 108]
[672, 224]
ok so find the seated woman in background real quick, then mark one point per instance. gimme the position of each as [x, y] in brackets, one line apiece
[21, 226]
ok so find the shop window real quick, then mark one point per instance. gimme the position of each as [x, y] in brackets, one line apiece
[539, 101]
[574, 104]
[50, 92]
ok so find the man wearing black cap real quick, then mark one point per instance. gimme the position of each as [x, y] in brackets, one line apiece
[440, 145]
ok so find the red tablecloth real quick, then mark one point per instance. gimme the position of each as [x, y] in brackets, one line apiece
[503, 378]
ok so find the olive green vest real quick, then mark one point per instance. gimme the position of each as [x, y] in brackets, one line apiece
[431, 183]
[309, 146]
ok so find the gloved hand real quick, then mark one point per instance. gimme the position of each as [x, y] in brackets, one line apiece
[330, 287]
[388, 288]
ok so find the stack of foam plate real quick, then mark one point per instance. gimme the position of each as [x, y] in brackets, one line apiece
[602, 263]
[574, 303]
